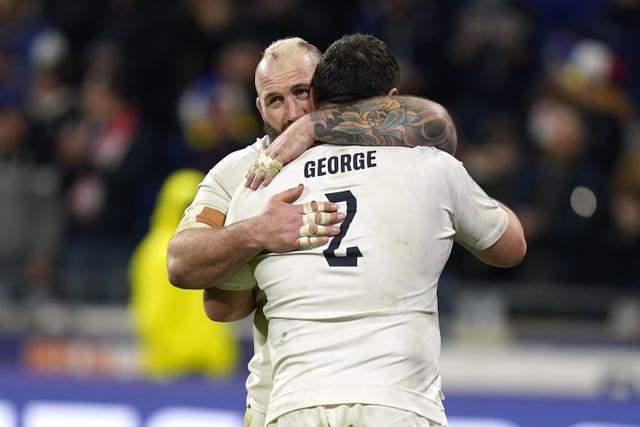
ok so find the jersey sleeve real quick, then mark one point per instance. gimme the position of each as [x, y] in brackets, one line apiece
[477, 219]
[241, 280]
[212, 200]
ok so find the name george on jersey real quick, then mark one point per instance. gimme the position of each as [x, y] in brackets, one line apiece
[340, 164]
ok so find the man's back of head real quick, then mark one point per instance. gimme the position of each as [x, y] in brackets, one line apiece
[356, 66]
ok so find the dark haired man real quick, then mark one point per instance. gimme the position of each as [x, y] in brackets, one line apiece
[353, 327]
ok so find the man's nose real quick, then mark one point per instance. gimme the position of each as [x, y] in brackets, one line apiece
[294, 110]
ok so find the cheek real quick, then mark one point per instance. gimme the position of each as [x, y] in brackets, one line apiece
[273, 117]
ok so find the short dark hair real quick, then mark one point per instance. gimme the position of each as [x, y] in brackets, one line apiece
[354, 67]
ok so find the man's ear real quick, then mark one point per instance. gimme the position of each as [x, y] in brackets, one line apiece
[259, 106]
[393, 92]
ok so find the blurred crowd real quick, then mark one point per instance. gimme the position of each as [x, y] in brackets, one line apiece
[101, 101]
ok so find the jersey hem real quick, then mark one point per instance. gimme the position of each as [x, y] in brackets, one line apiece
[362, 394]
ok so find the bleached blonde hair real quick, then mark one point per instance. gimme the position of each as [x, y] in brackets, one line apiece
[285, 48]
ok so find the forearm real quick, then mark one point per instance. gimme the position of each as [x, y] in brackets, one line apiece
[388, 120]
[205, 257]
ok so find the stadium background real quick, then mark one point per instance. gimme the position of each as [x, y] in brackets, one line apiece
[103, 104]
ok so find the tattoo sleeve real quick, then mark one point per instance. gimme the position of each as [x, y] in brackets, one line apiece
[387, 120]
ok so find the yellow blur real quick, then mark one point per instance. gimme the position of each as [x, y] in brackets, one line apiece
[175, 336]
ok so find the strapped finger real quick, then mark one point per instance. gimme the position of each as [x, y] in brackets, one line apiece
[309, 218]
[307, 207]
[308, 242]
[319, 207]
[270, 165]
[274, 167]
[307, 230]
[325, 207]
[325, 218]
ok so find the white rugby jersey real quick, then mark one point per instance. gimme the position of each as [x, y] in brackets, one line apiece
[356, 321]
[221, 181]
[214, 192]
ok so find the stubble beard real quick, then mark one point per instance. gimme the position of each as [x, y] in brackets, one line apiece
[273, 133]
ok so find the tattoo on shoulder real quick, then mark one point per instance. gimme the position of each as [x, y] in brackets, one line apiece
[397, 120]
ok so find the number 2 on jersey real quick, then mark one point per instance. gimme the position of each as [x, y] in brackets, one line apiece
[353, 252]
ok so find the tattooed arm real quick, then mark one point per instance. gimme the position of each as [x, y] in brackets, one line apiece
[397, 120]
[384, 120]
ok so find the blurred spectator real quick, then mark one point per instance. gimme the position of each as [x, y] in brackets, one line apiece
[488, 62]
[80, 21]
[108, 159]
[625, 211]
[493, 161]
[51, 99]
[149, 34]
[575, 16]
[620, 29]
[184, 73]
[30, 212]
[211, 30]
[588, 70]
[416, 31]
[175, 336]
[320, 23]
[497, 154]
[589, 74]
[558, 186]
[20, 25]
[217, 111]
[559, 194]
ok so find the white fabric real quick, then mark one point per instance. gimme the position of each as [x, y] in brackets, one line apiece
[215, 192]
[358, 322]
[352, 416]
[254, 418]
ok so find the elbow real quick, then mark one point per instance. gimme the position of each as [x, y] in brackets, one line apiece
[511, 248]
[176, 272]
[175, 269]
[519, 247]
[522, 251]
[515, 255]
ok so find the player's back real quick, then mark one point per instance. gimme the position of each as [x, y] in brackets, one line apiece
[363, 308]
[394, 241]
